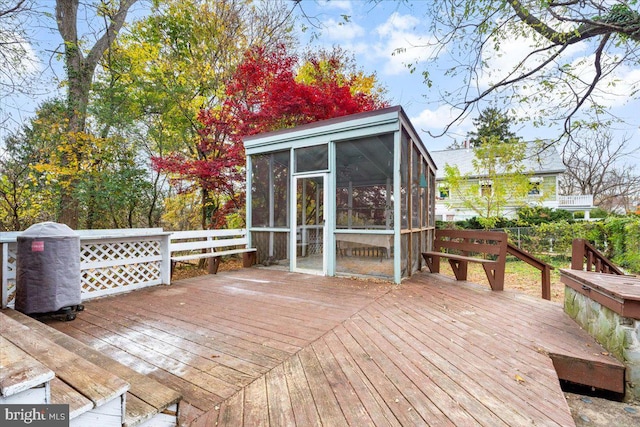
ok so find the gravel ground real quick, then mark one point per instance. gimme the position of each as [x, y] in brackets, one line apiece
[590, 411]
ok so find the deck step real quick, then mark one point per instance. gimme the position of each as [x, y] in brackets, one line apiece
[147, 401]
[22, 378]
[601, 374]
[86, 387]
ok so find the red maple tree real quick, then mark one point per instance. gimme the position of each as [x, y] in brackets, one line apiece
[263, 95]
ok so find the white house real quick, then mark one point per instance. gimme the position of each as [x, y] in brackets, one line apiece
[544, 167]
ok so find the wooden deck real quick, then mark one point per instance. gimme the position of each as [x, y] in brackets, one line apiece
[617, 292]
[263, 347]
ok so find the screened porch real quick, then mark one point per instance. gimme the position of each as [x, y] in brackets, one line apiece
[349, 196]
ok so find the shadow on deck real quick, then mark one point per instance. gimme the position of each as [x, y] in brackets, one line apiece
[263, 347]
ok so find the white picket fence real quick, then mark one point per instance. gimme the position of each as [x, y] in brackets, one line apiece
[111, 261]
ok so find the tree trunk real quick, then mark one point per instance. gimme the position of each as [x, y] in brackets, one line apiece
[80, 71]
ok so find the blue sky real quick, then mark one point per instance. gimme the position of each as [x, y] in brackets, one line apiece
[374, 32]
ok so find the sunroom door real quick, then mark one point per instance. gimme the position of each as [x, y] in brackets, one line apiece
[310, 234]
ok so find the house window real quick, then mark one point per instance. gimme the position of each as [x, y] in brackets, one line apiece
[486, 189]
[443, 192]
[535, 186]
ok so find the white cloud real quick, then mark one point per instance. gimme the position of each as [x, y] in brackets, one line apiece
[18, 62]
[615, 88]
[511, 54]
[341, 31]
[343, 5]
[400, 44]
[387, 46]
[612, 92]
[434, 121]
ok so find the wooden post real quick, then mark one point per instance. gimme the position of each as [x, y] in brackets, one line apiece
[166, 268]
[4, 270]
[546, 282]
[577, 254]
[248, 259]
[212, 265]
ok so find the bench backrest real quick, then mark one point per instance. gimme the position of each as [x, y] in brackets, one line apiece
[471, 242]
[181, 241]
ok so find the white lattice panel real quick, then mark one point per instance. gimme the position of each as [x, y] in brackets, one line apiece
[97, 254]
[9, 251]
[115, 266]
[107, 266]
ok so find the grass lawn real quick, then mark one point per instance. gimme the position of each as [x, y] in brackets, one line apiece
[520, 276]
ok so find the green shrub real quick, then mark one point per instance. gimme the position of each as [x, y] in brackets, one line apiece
[536, 215]
[623, 239]
[598, 213]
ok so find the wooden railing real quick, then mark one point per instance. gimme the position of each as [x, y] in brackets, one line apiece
[585, 257]
[576, 201]
[111, 261]
[545, 269]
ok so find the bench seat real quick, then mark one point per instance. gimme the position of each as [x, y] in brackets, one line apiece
[460, 257]
[192, 245]
[457, 245]
[211, 254]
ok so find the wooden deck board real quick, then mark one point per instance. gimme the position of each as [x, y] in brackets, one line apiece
[373, 403]
[353, 410]
[304, 409]
[280, 407]
[484, 365]
[19, 371]
[256, 407]
[457, 402]
[186, 342]
[145, 397]
[276, 348]
[199, 332]
[324, 398]
[93, 382]
[549, 330]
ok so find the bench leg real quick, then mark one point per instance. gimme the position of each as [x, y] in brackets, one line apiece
[213, 264]
[546, 282]
[495, 274]
[433, 262]
[459, 269]
[248, 259]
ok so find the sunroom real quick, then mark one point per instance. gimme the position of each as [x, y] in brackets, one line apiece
[351, 196]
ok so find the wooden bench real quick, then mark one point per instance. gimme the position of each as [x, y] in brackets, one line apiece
[213, 244]
[461, 247]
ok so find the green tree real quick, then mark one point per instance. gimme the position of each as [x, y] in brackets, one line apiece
[81, 58]
[491, 123]
[176, 62]
[568, 52]
[499, 180]
[27, 194]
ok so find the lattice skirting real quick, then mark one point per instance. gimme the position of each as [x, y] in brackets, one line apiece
[106, 266]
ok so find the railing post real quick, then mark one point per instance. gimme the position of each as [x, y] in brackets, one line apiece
[4, 273]
[546, 282]
[165, 263]
[577, 254]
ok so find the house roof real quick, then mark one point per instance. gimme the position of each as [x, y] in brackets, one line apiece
[537, 160]
[353, 126]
